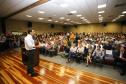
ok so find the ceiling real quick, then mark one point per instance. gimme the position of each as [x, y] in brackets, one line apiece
[53, 11]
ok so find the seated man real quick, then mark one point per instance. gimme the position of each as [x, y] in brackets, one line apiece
[49, 46]
[80, 52]
[107, 46]
[123, 44]
[120, 56]
[99, 44]
[72, 51]
[98, 54]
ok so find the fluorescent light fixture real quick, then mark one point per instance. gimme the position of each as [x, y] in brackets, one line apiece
[100, 19]
[123, 12]
[56, 21]
[49, 20]
[82, 17]
[121, 15]
[64, 5]
[99, 15]
[73, 11]
[40, 18]
[67, 19]
[62, 18]
[78, 15]
[53, 0]
[41, 12]
[28, 15]
[101, 11]
[102, 6]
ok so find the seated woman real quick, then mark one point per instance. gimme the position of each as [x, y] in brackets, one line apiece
[78, 43]
[49, 46]
[80, 52]
[61, 46]
[72, 52]
[41, 49]
[85, 45]
[53, 50]
[89, 52]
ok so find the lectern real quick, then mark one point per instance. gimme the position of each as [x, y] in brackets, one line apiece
[25, 56]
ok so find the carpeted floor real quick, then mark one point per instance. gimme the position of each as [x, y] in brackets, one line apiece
[107, 70]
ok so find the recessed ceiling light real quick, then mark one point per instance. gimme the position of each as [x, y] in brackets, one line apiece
[78, 15]
[64, 5]
[102, 6]
[40, 18]
[62, 18]
[99, 15]
[73, 11]
[56, 21]
[123, 12]
[101, 11]
[41, 12]
[49, 20]
[67, 19]
[28, 15]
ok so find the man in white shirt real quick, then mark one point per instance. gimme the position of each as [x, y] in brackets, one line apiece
[30, 47]
[72, 51]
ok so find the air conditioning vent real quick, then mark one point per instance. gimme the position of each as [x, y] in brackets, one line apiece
[110, 16]
[70, 14]
[120, 5]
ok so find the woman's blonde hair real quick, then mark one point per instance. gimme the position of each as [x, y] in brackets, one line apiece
[90, 47]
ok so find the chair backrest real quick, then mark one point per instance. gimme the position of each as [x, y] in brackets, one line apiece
[108, 53]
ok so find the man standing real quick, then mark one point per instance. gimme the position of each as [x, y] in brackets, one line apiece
[71, 38]
[30, 47]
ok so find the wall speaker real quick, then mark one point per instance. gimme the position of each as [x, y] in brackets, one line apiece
[75, 26]
[123, 22]
[29, 24]
[104, 24]
[64, 26]
[52, 25]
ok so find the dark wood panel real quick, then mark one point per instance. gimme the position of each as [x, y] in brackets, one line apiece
[13, 71]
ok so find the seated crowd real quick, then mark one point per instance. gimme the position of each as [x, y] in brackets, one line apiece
[89, 47]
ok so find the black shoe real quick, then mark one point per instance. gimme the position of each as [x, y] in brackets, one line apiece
[122, 74]
[28, 73]
[34, 74]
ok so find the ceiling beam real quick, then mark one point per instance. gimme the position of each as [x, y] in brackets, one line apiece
[28, 7]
